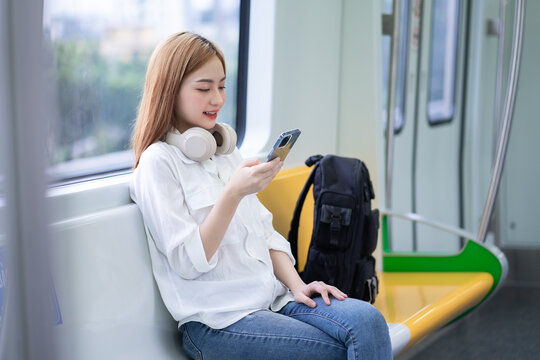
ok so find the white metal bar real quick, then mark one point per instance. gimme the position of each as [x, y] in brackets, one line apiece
[435, 224]
[391, 112]
[508, 112]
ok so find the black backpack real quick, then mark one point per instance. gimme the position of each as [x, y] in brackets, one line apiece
[345, 228]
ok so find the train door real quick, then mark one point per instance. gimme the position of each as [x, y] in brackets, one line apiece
[428, 128]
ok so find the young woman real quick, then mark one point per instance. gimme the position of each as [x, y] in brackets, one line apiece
[224, 273]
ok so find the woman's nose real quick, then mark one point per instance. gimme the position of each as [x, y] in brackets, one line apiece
[218, 97]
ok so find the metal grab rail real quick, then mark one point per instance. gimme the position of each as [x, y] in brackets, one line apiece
[508, 112]
[434, 224]
[391, 112]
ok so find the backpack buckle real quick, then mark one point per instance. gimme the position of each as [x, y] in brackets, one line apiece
[335, 223]
[335, 229]
[373, 288]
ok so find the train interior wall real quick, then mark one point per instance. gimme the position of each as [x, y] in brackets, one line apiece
[320, 77]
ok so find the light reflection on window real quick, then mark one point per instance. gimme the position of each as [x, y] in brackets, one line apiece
[443, 60]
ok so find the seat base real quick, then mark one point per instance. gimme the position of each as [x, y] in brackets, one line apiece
[422, 302]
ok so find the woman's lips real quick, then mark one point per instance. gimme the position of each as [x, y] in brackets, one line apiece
[211, 114]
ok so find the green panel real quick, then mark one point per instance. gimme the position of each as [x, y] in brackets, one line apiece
[386, 248]
[473, 258]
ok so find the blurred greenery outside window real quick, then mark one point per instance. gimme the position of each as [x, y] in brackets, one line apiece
[99, 50]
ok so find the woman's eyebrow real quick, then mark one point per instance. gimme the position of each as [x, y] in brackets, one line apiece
[209, 80]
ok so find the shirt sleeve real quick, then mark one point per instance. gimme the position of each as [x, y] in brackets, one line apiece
[274, 239]
[160, 198]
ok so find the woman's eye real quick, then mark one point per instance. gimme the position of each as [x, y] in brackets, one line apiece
[222, 87]
[203, 90]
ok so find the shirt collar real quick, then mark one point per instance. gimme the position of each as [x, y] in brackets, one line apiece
[181, 155]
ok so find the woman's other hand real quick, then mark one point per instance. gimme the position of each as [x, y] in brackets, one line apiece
[253, 176]
[303, 294]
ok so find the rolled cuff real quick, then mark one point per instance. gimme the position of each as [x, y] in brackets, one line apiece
[195, 252]
[278, 242]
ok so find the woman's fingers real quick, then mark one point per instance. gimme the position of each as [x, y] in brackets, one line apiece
[318, 287]
[265, 172]
[324, 292]
[306, 300]
[338, 294]
[253, 176]
[250, 162]
[335, 291]
[268, 168]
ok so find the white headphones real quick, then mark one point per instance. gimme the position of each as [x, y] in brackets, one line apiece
[200, 144]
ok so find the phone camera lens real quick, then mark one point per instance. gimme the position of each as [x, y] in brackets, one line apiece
[285, 141]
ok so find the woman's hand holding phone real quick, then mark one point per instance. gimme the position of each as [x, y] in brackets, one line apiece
[253, 176]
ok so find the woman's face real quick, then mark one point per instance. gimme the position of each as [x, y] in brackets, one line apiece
[201, 96]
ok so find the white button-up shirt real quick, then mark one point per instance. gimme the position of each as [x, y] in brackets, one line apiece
[175, 194]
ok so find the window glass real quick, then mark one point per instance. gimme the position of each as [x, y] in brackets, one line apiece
[443, 59]
[99, 50]
[401, 64]
[5, 155]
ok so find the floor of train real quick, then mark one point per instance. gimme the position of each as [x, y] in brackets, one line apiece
[506, 327]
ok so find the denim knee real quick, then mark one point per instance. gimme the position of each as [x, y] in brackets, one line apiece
[368, 315]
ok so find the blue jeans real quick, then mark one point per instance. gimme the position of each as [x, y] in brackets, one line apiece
[348, 329]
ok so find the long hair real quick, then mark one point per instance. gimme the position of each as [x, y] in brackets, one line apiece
[176, 57]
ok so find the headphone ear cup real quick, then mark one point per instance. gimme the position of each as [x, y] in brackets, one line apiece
[233, 137]
[227, 138]
[198, 144]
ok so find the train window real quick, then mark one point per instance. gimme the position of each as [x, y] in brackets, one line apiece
[401, 64]
[100, 49]
[443, 60]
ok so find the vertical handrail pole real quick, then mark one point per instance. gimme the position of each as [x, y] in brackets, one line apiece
[508, 113]
[391, 108]
[500, 66]
[497, 109]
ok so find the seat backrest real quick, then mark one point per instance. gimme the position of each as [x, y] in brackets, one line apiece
[280, 198]
[109, 304]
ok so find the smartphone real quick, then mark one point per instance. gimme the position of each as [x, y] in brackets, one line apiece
[283, 145]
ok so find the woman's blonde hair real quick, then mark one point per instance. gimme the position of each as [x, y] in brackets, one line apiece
[173, 59]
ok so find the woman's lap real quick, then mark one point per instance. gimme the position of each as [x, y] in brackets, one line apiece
[355, 323]
[297, 332]
[261, 335]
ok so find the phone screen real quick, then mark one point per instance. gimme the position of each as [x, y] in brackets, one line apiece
[283, 145]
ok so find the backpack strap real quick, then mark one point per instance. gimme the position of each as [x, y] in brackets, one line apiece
[295, 222]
